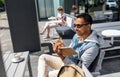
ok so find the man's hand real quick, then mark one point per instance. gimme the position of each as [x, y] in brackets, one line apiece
[57, 45]
[56, 49]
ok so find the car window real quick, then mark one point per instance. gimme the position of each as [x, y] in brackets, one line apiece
[111, 1]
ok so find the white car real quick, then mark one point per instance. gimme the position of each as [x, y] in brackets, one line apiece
[111, 3]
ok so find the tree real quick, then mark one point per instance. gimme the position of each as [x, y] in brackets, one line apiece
[2, 2]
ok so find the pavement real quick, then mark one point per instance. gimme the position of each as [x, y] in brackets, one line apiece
[110, 67]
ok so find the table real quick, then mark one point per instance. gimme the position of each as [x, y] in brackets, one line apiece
[16, 69]
[111, 33]
[62, 29]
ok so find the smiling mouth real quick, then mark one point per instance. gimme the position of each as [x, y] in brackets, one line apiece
[77, 31]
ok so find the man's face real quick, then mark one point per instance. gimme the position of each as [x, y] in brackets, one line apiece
[81, 26]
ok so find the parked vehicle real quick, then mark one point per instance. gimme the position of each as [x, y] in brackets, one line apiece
[111, 3]
[2, 8]
[90, 2]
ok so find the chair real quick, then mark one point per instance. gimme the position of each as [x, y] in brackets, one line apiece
[96, 65]
[98, 15]
[108, 14]
[111, 48]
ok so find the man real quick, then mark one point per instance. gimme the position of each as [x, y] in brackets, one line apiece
[85, 42]
[74, 10]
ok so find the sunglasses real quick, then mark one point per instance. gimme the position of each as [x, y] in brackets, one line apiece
[80, 25]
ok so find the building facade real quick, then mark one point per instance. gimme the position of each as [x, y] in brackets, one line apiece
[47, 8]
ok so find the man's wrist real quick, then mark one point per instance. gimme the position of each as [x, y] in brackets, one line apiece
[62, 57]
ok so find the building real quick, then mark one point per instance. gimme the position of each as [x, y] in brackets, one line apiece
[47, 8]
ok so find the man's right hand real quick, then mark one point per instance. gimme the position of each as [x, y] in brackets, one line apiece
[56, 49]
[57, 45]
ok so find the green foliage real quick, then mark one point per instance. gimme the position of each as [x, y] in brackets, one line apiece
[82, 3]
[2, 2]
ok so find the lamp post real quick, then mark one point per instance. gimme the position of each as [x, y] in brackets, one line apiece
[86, 6]
[119, 9]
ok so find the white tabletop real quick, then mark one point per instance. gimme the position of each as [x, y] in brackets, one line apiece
[111, 33]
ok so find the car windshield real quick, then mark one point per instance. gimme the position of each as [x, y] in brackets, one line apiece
[111, 1]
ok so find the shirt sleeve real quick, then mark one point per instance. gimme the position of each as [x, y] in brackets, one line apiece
[89, 55]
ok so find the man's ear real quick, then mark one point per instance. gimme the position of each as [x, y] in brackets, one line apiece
[88, 27]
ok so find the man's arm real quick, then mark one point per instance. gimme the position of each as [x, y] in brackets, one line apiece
[89, 55]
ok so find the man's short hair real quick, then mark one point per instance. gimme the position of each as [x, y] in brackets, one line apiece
[86, 17]
[74, 7]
